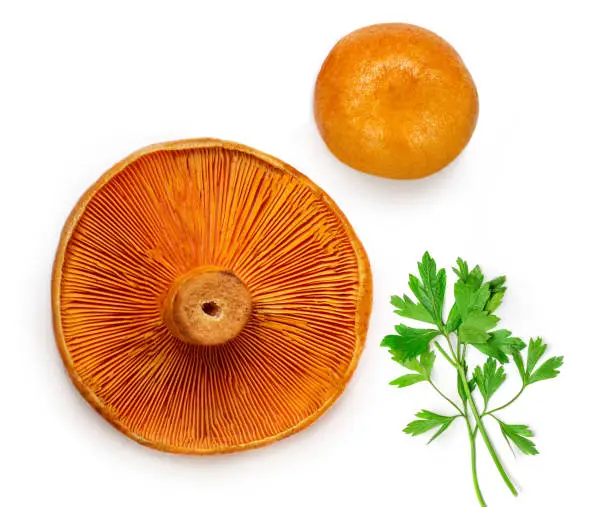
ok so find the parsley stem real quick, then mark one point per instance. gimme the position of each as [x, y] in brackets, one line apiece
[464, 352]
[477, 418]
[505, 404]
[483, 432]
[495, 417]
[472, 436]
[443, 352]
[450, 346]
[446, 397]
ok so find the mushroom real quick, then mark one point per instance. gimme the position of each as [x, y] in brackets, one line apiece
[209, 298]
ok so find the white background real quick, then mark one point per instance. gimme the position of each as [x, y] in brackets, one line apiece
[84, 84]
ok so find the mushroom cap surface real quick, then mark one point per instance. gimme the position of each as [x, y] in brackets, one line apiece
[395, 100]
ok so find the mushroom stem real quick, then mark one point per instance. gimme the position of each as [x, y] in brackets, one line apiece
[207, 306]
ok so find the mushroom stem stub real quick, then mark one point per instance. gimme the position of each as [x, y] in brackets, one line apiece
[207, 306]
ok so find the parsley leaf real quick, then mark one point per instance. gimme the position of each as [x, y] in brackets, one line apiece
[423, 365]
[489, 378]
[427, 360]
[474, 328]
[442, 429]
[518, 433]
[408, 380]
[520, 365]
[475, 278]
[549, 369]
[534, 353]
[462, 271]
[430, 292]
[470, 298]
[500, 345]
[407, 308]
[474, 300]
[409, 343]
[454, 319]
[498, 284]
[427, 421]
[498, 289]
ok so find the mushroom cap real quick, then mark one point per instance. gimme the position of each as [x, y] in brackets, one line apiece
[395, 100]
[209, 298]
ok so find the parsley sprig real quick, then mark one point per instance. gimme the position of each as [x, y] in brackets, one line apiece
[470, 324]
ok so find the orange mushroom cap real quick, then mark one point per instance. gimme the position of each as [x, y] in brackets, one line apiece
[395, 100]
[209, 298]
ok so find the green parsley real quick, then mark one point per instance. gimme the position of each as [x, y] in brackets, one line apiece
[469, 325]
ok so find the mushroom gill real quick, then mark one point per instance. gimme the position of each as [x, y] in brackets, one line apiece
[209, 298]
